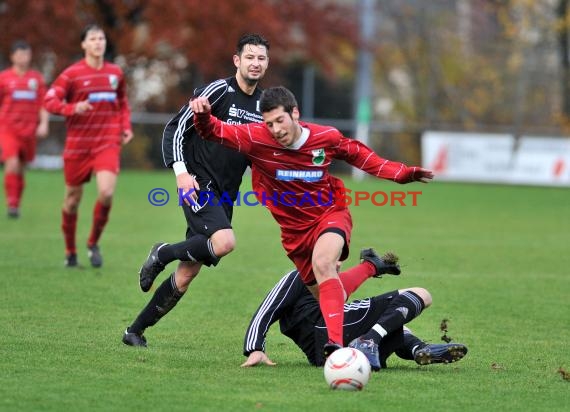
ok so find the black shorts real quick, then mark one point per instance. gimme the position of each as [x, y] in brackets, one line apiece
[359, 317]
[208, 216]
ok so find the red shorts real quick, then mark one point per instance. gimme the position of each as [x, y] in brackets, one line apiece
[300, 244]
[13, 146]
[79, 171]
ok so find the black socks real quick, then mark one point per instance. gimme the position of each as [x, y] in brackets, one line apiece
[410, 345]
[196, 249]
[164, 299]
[401, 310]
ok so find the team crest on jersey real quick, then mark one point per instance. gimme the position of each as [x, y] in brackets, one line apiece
[318, 156]
[33, 84]
[114, 81]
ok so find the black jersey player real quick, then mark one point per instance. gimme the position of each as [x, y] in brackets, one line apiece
[373, 325]
[207, 166]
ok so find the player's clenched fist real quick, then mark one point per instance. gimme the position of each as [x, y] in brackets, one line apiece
[200, 105]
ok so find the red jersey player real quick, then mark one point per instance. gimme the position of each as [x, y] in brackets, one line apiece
[91, 94]
[22, 119]
[290, 174]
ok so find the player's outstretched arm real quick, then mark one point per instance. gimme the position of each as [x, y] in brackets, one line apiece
[257, 357]
[236, 137]
[362, 157]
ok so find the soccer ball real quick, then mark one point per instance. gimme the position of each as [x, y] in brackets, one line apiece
[347, 369]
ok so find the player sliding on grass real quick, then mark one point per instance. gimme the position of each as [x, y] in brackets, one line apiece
[293, 157]
[373, 325]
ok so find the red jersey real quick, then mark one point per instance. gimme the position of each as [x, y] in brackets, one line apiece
[298, 178]
[101, 127]
[21, 99]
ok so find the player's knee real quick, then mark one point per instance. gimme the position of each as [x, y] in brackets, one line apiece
[71, 202]
[423, 294]
[224, 242]
[13, 165]
[224, 247]
[105, 196]
[323, 267]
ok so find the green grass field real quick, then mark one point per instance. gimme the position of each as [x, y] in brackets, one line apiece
[495, 259]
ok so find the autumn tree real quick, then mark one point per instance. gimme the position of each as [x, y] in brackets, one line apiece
[472, 64]
[183, 43]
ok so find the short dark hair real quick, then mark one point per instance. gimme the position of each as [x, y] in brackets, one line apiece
[274, 97]
[251, 38]
[88, 28]
[20, 45]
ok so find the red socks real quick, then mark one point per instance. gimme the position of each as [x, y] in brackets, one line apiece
[100, 218]
[355, 276]
[331, 301]
[68, 225]
[332, 296]
[13, 187]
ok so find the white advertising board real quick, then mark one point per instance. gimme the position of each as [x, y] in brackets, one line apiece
[468, 156]
[497, 158]
[542, 161]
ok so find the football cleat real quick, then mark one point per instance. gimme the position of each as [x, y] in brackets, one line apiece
[71, 260]
[13, 212]
[94, 256]
[134, 339]
[440, 353]
[370, 349]
[329, 348]
[387, 264]
[151, 268]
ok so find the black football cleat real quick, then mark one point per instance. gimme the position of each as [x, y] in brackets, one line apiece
[13, 212]
[151, 268]
[95, 256]
[329, 348]
[440, 353]
[134, 339]
[387, 264]
[71, 260]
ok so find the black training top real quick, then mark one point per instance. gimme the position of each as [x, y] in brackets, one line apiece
[297, 311]
[211, 162]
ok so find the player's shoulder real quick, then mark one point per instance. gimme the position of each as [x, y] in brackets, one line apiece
[112, 67]
[36, 74]
[4, 75]
[217, 87]
[323, 135]
[79, 64]
[74, 68]
[321, 129]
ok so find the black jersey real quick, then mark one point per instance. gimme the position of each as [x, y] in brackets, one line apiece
[216, 167]
[297, 310]
[300, 318]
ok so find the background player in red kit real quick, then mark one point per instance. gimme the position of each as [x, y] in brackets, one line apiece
[91, 94]
[22, 119]
[290, 161]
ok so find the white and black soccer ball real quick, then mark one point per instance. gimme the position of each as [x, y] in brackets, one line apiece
[347, 369]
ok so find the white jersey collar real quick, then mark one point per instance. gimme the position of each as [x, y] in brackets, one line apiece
[302, 140]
